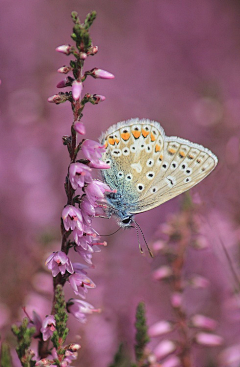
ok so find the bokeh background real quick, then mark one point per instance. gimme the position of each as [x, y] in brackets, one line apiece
[176, 62]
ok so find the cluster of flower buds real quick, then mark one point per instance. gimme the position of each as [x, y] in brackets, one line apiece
[181, 232]
[70, 354]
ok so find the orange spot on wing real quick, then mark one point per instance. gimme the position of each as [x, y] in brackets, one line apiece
[145, 133]
[106, 144]
[111, 141]
[157, 148]
[125, 136]
[171, 150]
[117, 140]
[153, 138]
[136, 133]
[190, 156]
[161, 157]
[182, 154]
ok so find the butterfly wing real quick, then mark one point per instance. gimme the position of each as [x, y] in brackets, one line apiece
[148, 168]
[182, 165]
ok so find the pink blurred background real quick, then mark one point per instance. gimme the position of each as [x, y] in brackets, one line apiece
[174, 62]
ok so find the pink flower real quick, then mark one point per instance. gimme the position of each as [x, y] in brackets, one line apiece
[77, 88]
[79, 309]
[79, 174]
[72, 218]
[99, 165]
[58, 262]
[77, 235]
[204, 322]
[163, 272]
[80, 282]
[102, 74]
[93, 151]
[79, 128]
[164, 348]
[48, 327]
[161, 327]
[88, 210]
[95, 191]
[87, 254]
[209, 340]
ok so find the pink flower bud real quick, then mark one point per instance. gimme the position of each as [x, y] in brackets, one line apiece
[209, 340]
[161, 327]
[93, 50]
[102, 74]
[67, 82]
[164, 348]
[80, 128]
[65, 49]
[176, 299]
[98, 98]
[83, 55]
[57, 98]
[172, 361]
[158, 245]
[231, 356]
[74, 347]
[204, 322]
[77, 89]
[162, 273]
[198, 281]
[64, 69]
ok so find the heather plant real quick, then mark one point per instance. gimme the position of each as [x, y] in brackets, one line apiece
[84, 201]
[76, 221]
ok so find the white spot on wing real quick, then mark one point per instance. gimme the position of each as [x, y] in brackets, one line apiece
[137, 167]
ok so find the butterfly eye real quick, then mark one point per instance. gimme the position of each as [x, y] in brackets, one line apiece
[127, 220]
[140, 187]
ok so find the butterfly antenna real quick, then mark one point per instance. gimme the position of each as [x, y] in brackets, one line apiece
[106, 235]
[140, 248]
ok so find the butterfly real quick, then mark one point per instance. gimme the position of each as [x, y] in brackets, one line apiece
[148, 168]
